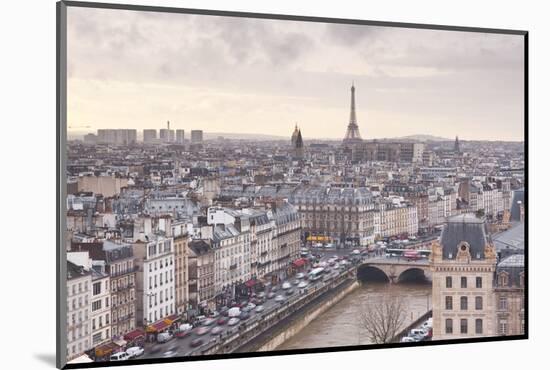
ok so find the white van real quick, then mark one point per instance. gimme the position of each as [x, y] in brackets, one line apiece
[185, 327]
[119, 356]
[164, 337]
[134, 352]
[234, 312]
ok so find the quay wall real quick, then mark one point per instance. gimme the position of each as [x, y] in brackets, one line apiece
[264, 332]
[301, 319]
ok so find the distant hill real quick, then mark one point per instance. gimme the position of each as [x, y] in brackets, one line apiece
[235, 136]
[423, 138]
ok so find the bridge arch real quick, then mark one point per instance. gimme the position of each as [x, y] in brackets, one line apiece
[413, 274]
[370, 273]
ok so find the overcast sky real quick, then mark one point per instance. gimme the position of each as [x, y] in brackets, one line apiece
[129, 69]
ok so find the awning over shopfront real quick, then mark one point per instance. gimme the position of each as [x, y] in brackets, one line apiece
[158, 326]
[171, 319]
[299, 262]
[106, 349]
[250, 283]
[134, 334]
[81, 360]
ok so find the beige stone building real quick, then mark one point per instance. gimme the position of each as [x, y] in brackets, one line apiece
[510, 296]
[463, 264]
[181, 243]
[119, 264]
[343, 214]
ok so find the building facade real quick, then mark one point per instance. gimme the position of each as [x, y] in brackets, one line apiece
[100, 305]
[181, 271]
[344, 215]
[155, 279]
[201, 273]
[463, 263]
[510, 296]
[79, 282]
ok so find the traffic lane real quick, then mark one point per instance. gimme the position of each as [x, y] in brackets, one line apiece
[182, 347]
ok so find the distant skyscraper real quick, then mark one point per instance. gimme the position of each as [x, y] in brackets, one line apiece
[196, 136]
[166, 135]
[180, 136]
[352, 133]
[117, 136]
[149, 136]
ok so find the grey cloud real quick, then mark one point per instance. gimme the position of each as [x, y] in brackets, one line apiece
[350, 35]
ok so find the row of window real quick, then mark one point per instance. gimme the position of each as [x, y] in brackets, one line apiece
[80, 303]
[463, 326]
[81, 288]
[463, 282]
[157, 315]
[463, 303]
[80, 350]
[167, 262]
[100, 321]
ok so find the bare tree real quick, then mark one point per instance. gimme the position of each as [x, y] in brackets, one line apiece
[384, 318]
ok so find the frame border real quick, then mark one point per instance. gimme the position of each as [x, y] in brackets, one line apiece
[61, 187]
[61, 157]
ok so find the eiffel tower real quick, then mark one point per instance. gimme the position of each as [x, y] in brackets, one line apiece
[352, 133]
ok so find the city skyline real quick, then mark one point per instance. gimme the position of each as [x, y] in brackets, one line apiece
[287, 72]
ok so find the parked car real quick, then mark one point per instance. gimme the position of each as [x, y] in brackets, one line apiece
[222, 320]
[234, 312]
[185, 327]
[233, 321]
[119, 356]
[286, 285]
[290, 292]
[302, 284]
[164, 337]
[259, 309]
[244, 315]
[279, 298]
[296, 282]
[202, 330]
[182, 334]
[134, 352]
[270, 295]
[208, 322]
[197, 342]
[214, 314]
[420, 332]
[407, 340]
[251, 306]
[300, 275]
[216, 330]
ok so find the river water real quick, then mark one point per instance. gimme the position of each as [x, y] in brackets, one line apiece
[340, 324]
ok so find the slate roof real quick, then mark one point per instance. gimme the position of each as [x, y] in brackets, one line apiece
[464, 228]
[518, 197]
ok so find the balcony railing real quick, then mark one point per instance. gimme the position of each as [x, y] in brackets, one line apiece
[125, 271]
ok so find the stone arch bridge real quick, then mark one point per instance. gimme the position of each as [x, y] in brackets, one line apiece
[394, 270]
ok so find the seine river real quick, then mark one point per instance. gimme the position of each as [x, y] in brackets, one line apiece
[340, 325]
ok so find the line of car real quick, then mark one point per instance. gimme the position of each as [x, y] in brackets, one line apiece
[424, 332]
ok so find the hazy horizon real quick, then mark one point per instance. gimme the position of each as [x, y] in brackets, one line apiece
[129, 69]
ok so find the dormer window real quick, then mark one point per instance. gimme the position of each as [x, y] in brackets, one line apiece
[503, 279]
